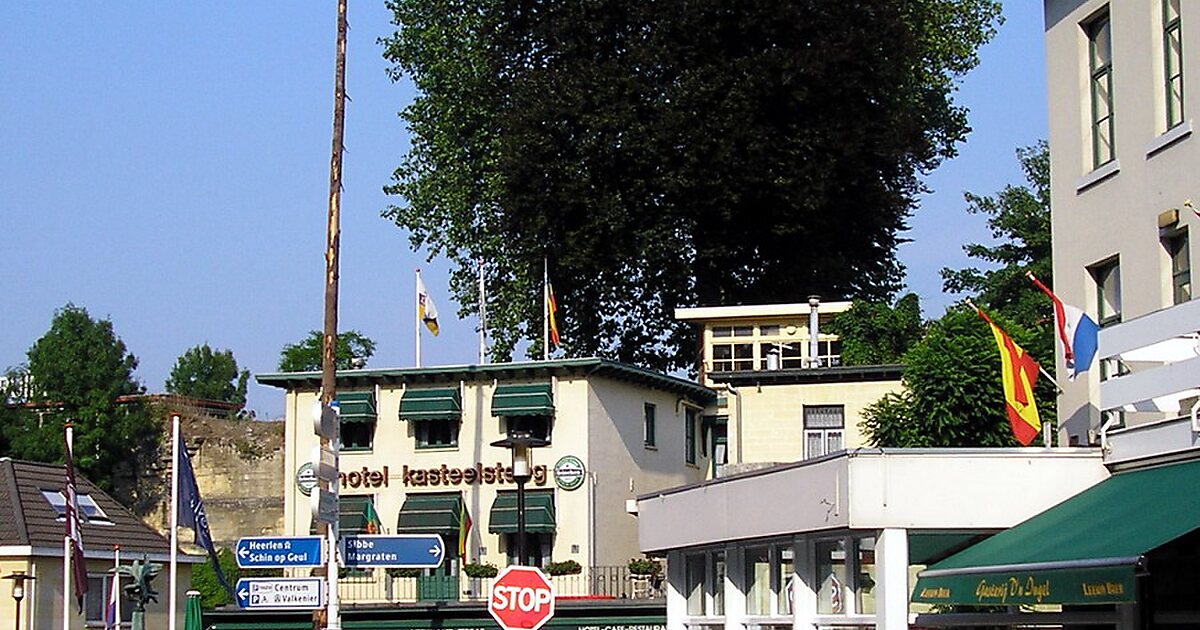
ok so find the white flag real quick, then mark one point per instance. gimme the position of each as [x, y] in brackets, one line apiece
[426, 310]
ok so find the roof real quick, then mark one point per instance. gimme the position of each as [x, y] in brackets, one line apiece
[529, 370]
[1087, 549]
[756, 311]
[28, 520]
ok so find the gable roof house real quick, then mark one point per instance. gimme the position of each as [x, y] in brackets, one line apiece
[32, 527]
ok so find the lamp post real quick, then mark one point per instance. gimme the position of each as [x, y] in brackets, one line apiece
[521, 445]
[18, 593]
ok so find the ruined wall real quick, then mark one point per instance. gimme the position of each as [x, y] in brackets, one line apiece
[239, 469]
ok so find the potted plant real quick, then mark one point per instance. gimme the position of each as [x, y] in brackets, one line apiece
[566, 567]
[480, 570]
[643, 567]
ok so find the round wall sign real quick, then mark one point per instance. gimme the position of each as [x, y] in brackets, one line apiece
[569, 472]
[306, 478]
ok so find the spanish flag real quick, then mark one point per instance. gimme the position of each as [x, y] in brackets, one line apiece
[1019, 372]
[464, 529]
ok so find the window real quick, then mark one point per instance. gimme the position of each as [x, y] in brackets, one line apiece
[728, 357]
[538, 427]
[829, 352]
[758, 581]
[537, 547]
[96, 599]
[824, 426]
[788, 355]
[704, 575]
[1099, 34]
[831, 577]
[689, 436]
[696, 575]
[91, 512]
[358, 436]
[648, 425]
[1181, 266]
[1173, 61]
[436, 433]
[845, 576]
[1107, 276]
[782, 578]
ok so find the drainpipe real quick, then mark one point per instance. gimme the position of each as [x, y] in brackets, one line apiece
[814, 346]
[1108, 425]
[737, 419]
[1195, 420]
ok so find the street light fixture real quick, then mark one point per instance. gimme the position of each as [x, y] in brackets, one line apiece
[521, 445]
[18, 593]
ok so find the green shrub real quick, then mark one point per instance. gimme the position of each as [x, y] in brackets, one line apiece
[476, 570]
[643, 566]
[566, 567]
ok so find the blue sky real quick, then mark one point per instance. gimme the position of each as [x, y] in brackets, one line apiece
[166, 166]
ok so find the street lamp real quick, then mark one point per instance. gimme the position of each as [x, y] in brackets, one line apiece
[521, 445]
[18, 593]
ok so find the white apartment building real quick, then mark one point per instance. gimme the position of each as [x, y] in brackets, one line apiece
[1120, 77]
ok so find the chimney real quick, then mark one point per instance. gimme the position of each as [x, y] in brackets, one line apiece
[814, 346]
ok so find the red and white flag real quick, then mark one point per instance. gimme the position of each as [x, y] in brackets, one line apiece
[74, 527]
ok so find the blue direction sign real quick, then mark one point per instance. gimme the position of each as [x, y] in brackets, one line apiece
[413, 551]
[279, 551]
[281, 593]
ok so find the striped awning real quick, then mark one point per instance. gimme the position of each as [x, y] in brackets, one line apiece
[431, 404]
[430, 513]
[523, 400]
[356, 407]
[539, 512]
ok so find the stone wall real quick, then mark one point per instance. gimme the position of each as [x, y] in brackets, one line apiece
[239, 469]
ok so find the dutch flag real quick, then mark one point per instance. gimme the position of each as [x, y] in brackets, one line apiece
[1077, 333]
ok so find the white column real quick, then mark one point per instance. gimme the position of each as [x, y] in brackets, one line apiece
[735, 588]
[891, 575]
[804, 590]
[676, 590]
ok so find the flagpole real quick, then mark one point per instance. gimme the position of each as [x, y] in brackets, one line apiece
[66, 624]
[117, 580]
[545, 309]
[417, 317]
[482, 316]
[174, 518]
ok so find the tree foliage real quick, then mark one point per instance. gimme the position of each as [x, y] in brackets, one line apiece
[952, 392]
[80, 371]
[201, 372]
[671, 153]
[1019, 219]
[877, 334]
[353, 350]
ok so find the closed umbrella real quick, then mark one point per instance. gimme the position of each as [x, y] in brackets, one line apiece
[191, 614]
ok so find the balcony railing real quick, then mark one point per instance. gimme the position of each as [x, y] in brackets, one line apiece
[377, 587]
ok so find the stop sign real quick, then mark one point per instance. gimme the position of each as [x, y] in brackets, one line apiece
[521, 598]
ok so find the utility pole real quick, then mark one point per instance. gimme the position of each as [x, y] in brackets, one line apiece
[330, 618]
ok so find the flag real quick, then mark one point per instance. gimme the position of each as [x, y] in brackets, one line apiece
[371, 522]
[426, 310]
[110, 609]
[551, 311]
[464, 529]
[1018, 372]
[74, 527]
[1077, 333]
[191, 512]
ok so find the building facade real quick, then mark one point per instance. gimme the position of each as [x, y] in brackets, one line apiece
[1121, 123]
[784, 393]
[417, 452]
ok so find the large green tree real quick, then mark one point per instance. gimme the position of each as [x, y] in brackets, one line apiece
[665, 154]
[353, 350]
[874, 333]
[81, 372]
[201, 372]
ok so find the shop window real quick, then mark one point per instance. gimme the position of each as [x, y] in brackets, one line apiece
[845, 576]
[648, 425]
[704, 574]
[1176, 245]
[758, 580]
[1107, 276]
[864, 585]
[695, 575]
[831, 577]
[824, 426]
[782, 578]
[436, 433]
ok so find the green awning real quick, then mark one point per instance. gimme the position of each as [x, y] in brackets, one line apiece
[1086, 550]
[523, 400]
[539, 513]
[431, 404]
[430, 513]
[356, 407]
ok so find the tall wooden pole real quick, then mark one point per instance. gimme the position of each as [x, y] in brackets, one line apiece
[329, 618]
